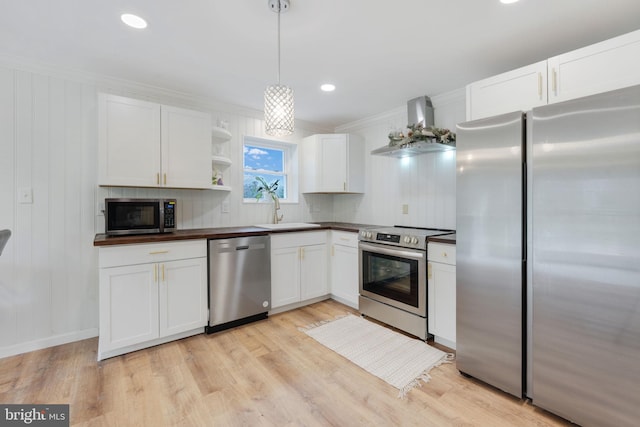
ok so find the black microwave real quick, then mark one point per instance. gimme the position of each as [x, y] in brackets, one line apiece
[139, 216]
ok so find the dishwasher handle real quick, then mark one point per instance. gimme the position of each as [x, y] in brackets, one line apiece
[230, 247]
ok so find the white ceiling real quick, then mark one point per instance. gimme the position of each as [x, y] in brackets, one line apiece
[378, 53]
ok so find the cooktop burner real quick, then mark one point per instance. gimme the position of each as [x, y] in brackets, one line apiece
[406, 237]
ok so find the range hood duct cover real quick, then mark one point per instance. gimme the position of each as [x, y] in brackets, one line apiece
[420, 110]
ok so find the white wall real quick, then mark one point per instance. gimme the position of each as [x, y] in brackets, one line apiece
[48, 143]
[425, 183]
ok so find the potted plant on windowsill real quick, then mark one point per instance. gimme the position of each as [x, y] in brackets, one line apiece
[271, 190]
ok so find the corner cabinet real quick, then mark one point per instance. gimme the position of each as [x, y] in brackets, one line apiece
[333, 163]
[144, 144]
[441, 294]
[151, 294]
[344, 267]
[601, 67]
[298, 267]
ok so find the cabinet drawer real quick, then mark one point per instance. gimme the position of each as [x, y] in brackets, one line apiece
[292, 240]
[142, 253]
[344, 238]
[442, 252]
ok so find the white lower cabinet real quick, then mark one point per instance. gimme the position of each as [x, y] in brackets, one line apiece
[298, 267]
[151, 294]
[441, 274]
[344, 267]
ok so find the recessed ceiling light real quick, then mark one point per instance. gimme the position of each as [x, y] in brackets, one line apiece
[508, 1]
[328, 87]
[133, 21]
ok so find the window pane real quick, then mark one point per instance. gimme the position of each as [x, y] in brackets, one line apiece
[251, 185]
[263, 159]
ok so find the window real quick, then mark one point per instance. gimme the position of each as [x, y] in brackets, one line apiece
[272, 161]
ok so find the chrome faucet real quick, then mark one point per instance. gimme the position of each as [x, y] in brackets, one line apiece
[276, 208]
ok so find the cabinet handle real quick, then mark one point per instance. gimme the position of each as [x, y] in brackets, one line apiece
[540, 85]
[158, 252]
[301, 253]
[333, 250]
[554, 81]
[165, 179]
[163, 272]
[444, 254]
[429, 271]
[158, 179]
[155, 272]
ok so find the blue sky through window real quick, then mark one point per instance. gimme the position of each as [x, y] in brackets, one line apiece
[267, 163]
[263, 159]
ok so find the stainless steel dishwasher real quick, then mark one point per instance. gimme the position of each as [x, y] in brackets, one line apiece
[239, 281]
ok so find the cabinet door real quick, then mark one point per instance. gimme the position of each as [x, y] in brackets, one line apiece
[129, 141]
[344, 274]
[183, 295]
[333, 162]
[285, 276]
[520, 89]
[313, 272]
[186, 148]
[442, 300]
[128, 305]
[608, 65]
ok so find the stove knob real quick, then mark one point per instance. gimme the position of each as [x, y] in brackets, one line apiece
[407, 239]
[414, 240]
[369, 234]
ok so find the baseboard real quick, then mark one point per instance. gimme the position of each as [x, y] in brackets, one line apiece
[39, 344]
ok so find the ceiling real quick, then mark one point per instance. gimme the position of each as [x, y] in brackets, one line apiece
[379, 54]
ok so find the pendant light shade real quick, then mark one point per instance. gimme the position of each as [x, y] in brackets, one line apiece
[278, 110]
[278, 99]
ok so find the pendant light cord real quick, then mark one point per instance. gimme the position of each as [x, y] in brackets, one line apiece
[279, 43]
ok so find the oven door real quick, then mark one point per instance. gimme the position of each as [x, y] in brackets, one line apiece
[394, 276]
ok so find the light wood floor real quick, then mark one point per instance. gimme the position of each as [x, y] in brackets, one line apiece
[263, 374]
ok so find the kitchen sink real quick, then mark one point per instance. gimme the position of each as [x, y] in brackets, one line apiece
[287, 225]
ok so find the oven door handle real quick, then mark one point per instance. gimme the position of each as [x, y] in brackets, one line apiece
[393, 252]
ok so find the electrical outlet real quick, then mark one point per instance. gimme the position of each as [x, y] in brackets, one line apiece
[405, 209]
[225, 207]
[25, 195]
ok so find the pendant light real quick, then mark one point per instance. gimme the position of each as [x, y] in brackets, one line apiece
[278, 99]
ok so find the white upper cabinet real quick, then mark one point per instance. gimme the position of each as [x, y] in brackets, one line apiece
[520, 89]
[609, 65]
[333, 163]
[129, 142]
[144, 144]
[605, 66]
[186, 148]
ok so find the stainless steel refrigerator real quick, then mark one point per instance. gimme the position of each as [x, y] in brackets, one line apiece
[548, 256]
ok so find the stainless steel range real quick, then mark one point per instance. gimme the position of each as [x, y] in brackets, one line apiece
[393, 276]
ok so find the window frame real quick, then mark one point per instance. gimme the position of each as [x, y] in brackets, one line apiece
[290, 167]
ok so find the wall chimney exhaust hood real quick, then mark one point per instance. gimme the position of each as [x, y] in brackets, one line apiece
[422, 138]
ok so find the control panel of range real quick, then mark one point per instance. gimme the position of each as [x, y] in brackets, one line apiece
[395, 239]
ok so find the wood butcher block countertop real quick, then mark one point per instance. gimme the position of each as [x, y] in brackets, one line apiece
[217, 233]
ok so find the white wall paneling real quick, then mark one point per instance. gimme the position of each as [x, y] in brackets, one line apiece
[425, 183]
